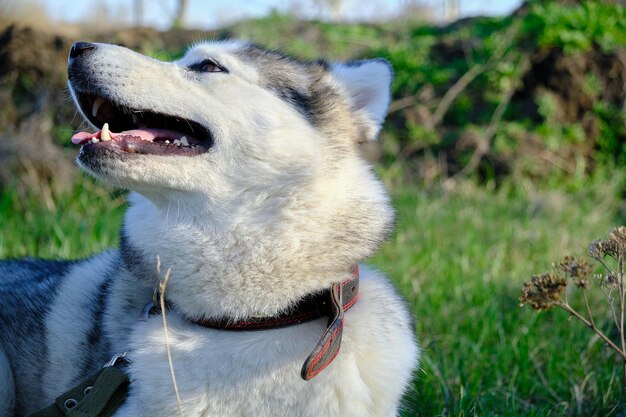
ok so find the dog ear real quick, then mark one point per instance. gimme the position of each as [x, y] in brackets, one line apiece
[368, 86]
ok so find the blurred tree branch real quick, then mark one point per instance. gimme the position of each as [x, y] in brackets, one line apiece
[484, 144]
[461, 84]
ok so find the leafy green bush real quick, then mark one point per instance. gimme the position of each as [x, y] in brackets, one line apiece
[577, 28]
[548, 67]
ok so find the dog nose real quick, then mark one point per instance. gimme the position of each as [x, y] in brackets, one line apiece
[80, 48]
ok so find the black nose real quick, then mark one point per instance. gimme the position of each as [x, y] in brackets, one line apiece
[80, 48]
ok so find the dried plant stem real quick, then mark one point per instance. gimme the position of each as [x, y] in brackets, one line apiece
[613, 312]
[484, 144]
[620, 329]
[162, 286]
[608, 269]
[620, 269]
[565, 306]
[588, 309]
[452, 93]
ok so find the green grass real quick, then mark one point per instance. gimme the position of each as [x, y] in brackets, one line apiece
[460, 258]
[73, 225]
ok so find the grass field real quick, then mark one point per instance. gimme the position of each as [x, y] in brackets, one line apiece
[460, 257]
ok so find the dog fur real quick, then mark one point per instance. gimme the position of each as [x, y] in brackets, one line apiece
[280, 206]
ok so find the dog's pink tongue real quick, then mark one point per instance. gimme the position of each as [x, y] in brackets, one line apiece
[146, 134]
[83, 137]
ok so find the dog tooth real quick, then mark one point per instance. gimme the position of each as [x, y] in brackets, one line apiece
[177, 142]
[105, 135]
[96, 105]
[167, 142]
[184, 141]
[95, 140]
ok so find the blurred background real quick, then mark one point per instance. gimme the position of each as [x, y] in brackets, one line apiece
[504, 149]
[207, 15]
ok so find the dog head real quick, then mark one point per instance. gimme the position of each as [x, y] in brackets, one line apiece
[242, 113]
[227, 143]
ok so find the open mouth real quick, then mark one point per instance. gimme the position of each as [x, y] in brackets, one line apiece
[140, 131]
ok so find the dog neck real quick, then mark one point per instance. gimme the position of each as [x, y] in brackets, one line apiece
[264, 261]
[220, 292]
[330, 304]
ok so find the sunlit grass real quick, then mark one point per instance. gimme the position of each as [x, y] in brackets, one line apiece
[84, 221]
[460, 258]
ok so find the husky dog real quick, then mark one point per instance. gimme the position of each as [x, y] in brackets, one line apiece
[249, 187]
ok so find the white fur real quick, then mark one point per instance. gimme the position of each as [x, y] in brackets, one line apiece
[367, 84]
[280, 207]
[366, 379]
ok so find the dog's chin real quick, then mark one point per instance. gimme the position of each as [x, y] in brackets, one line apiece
[135, 167]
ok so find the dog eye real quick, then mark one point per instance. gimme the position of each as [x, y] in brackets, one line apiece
[208, 65]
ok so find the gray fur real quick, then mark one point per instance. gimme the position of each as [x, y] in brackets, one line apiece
[26, 290]
[298, 83]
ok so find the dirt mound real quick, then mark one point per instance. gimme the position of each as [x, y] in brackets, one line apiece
[32, 79]
[587, 88]
[577, 81]
[30, 73]
[568, 112]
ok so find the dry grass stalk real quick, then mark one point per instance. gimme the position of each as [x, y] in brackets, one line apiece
[161, 291]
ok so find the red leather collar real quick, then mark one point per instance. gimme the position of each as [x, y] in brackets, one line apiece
[331, 303]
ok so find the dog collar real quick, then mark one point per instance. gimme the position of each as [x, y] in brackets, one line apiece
[331, 303]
